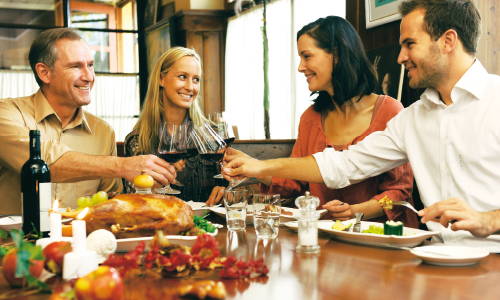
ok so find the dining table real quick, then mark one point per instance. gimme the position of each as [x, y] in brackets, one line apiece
[341, 270]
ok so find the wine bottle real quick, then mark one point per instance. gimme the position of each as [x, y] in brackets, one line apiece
[36, 190]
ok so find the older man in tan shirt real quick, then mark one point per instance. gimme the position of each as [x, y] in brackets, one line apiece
[78, 146]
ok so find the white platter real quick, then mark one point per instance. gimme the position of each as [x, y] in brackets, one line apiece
[411, 237]
[12, 222]
[126, 245]
[221, 211]
[199, 208]
[453, 256]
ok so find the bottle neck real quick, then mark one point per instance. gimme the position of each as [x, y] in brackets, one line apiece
[35, 146]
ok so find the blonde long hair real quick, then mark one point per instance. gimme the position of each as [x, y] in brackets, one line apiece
[151, 117]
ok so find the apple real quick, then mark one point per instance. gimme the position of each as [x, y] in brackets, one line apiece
[54, 256]
[104, 283]
[9, 264]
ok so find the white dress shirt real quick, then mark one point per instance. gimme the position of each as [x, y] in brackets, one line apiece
[454, 151]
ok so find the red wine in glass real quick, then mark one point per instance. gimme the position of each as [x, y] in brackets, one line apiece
[212, 157]
[171, 157]
[190, 152]
[229, 141]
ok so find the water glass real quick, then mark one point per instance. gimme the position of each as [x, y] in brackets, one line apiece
[266, 215]
[235, 202]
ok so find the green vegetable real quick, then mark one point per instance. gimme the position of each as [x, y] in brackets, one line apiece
[374, 229]
[203, 224]
[3, 234]
[393, 229]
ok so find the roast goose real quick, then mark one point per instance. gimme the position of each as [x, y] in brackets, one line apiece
[139, 215]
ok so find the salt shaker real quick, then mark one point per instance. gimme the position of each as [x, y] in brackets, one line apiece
[308, 223]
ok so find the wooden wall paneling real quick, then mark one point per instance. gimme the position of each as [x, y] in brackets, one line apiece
[212, 78]
[489, 44]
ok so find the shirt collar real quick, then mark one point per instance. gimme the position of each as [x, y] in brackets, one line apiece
[472, 82]
[43, 109]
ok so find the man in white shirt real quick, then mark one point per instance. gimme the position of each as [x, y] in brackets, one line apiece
[451, 136]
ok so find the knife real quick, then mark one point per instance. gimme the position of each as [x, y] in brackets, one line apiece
[357, 226]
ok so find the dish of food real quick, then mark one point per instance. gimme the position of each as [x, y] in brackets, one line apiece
[126, 245]
[453, 256]
[12, 222]
[411, 237]
[221, 211]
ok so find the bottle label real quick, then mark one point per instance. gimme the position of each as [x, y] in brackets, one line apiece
[45, 189]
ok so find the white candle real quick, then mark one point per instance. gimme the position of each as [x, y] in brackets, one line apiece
[79, 236]
[55, 223]
[55, 226]
[80, 233]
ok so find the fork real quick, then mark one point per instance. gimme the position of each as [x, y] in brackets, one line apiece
[407, 204]
[235, 183]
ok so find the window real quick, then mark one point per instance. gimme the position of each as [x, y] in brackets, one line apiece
[288, 90]
[110, 31]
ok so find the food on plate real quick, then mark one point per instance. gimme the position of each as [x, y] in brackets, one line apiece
[374, 229]
[283, 212]
[103, 242]
[202, 289]
[386, 203]
[393, 228]
[340, 226]
[203, 225]
[104, 283]
[139, 215]
[54, 256]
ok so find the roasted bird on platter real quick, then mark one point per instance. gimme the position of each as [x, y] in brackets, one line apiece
[139, 215]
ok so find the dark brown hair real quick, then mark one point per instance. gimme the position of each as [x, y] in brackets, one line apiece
[441, 15]
[43, 49]
[353, 73]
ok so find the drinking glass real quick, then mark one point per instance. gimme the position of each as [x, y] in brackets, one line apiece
[235, 202]
[266, 215]
[171, 148]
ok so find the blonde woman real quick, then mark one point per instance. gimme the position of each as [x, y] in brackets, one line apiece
[172, 96]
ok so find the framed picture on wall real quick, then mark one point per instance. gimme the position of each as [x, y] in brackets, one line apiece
[150, 13]
[379, 12]
[157, 42]
[390, 73]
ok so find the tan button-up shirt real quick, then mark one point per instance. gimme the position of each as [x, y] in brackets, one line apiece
[86, 134]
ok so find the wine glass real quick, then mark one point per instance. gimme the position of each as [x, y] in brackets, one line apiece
[223, 129]
[172, 148]
[210, 145]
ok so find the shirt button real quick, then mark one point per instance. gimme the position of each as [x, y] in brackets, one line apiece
[445, 168]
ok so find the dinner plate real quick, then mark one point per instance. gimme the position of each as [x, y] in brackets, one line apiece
[453, 256]
[411, 237]
[199, 208]
[221, 211]
[12, 222]
[126, 245]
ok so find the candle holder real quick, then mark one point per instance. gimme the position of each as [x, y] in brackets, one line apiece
[81, 261]
[308, 224]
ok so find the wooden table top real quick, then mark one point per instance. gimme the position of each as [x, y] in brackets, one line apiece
[340, 271]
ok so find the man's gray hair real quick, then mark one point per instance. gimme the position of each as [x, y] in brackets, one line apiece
[44, 50]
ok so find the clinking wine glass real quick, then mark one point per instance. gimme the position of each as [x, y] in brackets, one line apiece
[222, 127]
[172, 148]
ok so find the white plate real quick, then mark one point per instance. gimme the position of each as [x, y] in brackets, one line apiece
[411, 237]
[221, 211]
[13, 222]
[198, 210]
[454, 256]
[126, 245]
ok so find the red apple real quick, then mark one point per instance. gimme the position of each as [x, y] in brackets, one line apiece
[9, 264]
[104, 283]
[54, 256]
